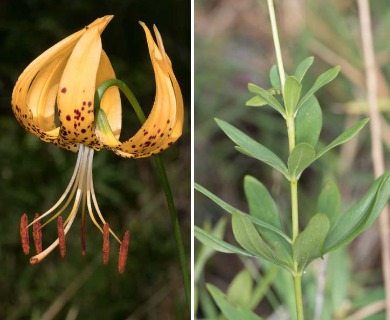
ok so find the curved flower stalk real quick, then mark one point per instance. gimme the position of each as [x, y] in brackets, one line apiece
[54, 99]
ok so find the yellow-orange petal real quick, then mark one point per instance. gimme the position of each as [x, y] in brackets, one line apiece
[164, 123]
[77, 88]
[32, 97]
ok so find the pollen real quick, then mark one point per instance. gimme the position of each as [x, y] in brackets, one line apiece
[24, 234]
[106, 243]
[123, 252]
[37, 234]
[83, 233]
[61, 236]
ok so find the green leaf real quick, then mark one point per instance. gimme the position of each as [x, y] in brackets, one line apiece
[300, 158]
[230, 311]
[303, 67]
[240, 289]
[292, 93]
[217, 244]
[275, 77]
[344, 137]
[308, 122]
[329, 201]
[322, 80]
[268, 97]
[252, 148]
[206, 252]
[248, 237]
[227, 207]
[309, 243]
[360, 216]
[261, 205]
[256, 101]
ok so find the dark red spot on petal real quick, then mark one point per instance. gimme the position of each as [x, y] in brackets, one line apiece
[63, 90]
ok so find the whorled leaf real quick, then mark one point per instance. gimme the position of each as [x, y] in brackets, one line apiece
[251, 147]
[309, 243]
[360, 216]
[249, 238]
[217, 244]
[230, 209]
[322, 80]
[291, 95]
[329, 201]
[230, 311]
[308, 122]
[303, 67]
[300, 158]
[268, 97]
[344, 137]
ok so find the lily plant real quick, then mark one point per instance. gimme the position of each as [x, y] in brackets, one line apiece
[69, 96]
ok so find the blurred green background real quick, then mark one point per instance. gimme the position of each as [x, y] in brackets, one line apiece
[233, 47]
[34, 174]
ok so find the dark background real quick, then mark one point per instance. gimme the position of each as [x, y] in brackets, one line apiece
[34, 174]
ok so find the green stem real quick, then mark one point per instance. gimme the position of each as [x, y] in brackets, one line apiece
[290, 122]
[163, 178]
[298, 296]
[275, 36]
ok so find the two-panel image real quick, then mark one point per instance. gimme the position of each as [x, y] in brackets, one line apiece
[204, 159]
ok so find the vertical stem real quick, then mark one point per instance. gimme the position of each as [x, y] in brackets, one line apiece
[163, 178]
[290, 122]
[298, 296]
[275, 36]
[376, 137]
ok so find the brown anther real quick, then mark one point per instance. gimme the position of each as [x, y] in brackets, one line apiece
[106, 243]
[37, 234]
[24, 234]
[83, 233]
[61, 236]
[123, 252]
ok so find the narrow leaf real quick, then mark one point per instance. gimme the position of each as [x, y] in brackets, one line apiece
[252, 148]
[344, 137]
[268, 97]
[217, 244]
[230, 209]
[248, 237]
[303, 67]
[230, 311]
[322, 80]
[292, 93]
[275, 77]
[329, 201]
[361, 215]
[308, 122]
[300, 158]
[241, 289]
[262, 206]
[309, 243]
[256, 101]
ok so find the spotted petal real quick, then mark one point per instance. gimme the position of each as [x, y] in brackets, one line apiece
[165, 122]
[34, 95]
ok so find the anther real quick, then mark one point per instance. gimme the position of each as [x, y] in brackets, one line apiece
[61, 236]
[37, 234]
[123, 252]
[83, 236]
[24, 234]
[106, 243]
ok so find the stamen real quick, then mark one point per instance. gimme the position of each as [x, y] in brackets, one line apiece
[83, 236]
[24, 234]
[37, 234]
[106, 243]
[61, 236]
[123, 252]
